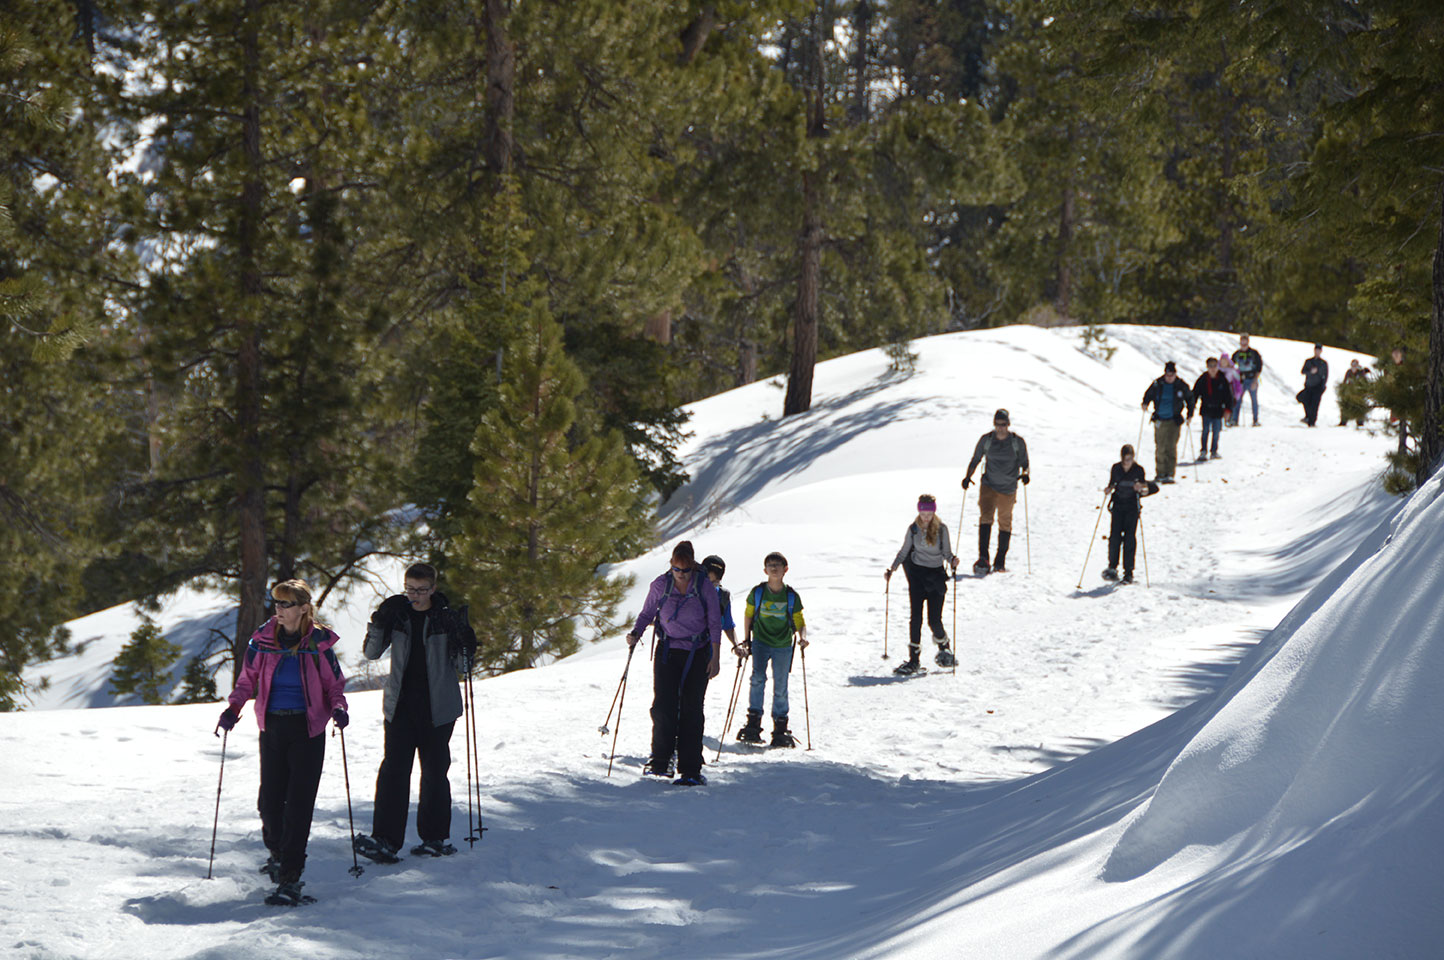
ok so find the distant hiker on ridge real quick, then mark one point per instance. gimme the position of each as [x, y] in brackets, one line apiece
[925, 557]
[1171, 401]
[1250, 368]
[1215, 400]
[1007, 466]
[1316, 378]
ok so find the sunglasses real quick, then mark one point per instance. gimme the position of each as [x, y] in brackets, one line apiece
[286, 604]
[681, 569]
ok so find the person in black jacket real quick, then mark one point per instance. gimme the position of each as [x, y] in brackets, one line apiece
[1171, 402]
[1316, 378]
[1215, 399]
[430, 645]
[1127, 483]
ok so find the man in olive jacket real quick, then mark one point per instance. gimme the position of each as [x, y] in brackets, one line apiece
[430, 644]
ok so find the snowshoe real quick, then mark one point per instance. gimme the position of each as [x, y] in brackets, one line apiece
[690, 780]
[272, 869]
[433, 848]
[999, 566]
[1111, 573]
[944, 657]
[289, 895]
[781, 736]
[666, 769]
[751, 731]
[378, 851]
[909, 668]
[981, 568]
[1164, 480]
[1213, 456]
[1127, 577]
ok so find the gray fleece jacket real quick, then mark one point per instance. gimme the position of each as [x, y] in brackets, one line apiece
[447, 641]
[925, 554]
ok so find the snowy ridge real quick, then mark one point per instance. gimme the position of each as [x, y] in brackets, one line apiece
[1098, 780]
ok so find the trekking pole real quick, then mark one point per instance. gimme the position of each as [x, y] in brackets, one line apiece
[475, 757]
[955, 628]
[1091, 539]
[216, 825]
[1142, 419]
[1188, 427]
[1027, 533]
[356, 868]
[466, 731]
[806, 713]
[1142, 545]
[622, 699]
[886, 599]
[731, 709]
[606, 726]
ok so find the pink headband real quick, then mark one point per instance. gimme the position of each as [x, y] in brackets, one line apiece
[927, 506]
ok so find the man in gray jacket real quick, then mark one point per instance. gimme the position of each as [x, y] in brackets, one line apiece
[1007, 466]
[430, 644]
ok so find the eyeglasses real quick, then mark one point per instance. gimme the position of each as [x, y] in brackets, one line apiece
[418, 591]
[286, 604]
[774, 566]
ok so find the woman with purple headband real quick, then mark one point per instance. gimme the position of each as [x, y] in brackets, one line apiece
[925, 554]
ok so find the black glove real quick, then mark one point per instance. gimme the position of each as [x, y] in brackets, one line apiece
[228, 719]
[1025, 478]
[967, 482]
[341, 717]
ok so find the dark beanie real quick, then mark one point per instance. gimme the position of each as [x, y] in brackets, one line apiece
[1169, 367]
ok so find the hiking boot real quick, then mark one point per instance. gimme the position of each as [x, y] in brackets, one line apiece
[660, 768]
[433, 848]
[1127, 577]
[781, 736]
[288, 894]
[1005, 537]
[690, 780]
[944, 656]
[1213, 455]
[1111, 573]
[272, 868]
[985, 539]
[751, 731]
[911, 665]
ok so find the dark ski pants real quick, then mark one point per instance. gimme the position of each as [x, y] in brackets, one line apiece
[1122, 533]
[406, 740]
[678, 693]
[926, 586]
[1310, 397]
[291, 763]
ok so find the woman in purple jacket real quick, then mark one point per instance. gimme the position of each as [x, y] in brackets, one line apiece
[688, 618]
[292, 671]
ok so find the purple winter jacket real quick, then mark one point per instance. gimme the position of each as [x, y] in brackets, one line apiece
[321, 678]
[682, 617]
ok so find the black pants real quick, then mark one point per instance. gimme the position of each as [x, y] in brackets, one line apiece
[407, 739]
[291, 763]
[1122, 533]
[926, 585]
[1310, 397]
[677, 701]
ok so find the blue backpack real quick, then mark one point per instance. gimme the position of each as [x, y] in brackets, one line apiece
[791, 601]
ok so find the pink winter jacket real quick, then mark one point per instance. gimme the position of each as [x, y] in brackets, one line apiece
[321, 678]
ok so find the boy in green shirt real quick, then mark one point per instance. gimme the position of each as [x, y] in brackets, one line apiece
[774, 614]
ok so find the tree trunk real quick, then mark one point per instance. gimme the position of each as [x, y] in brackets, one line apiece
[1067, 216]
[695, 34]
[809, 242]
[860, 111]
[1430, 441]
[805, 319]
[250, 478]
[500, 89]
[659, 327]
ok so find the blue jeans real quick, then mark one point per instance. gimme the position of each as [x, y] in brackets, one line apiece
[781, 660]
[1214, 424]
[1250, 390]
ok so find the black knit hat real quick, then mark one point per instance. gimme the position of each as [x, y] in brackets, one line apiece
[1001, 416]
[1169, 367]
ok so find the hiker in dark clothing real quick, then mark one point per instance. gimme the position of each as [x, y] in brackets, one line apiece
[1316, 378]
[1214, 395]
[430, 645]
[927, 560]
[1171, 403]
[1127, 483]
[1007, 466]
[688, 615]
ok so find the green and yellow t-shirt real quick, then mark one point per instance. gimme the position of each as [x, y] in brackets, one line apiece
[769, 618]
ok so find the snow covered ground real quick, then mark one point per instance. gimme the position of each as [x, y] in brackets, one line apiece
[1239, 760]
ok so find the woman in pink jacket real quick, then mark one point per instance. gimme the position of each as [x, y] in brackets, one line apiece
[292, 672]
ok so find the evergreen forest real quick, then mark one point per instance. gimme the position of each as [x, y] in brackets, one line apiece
[286, 287]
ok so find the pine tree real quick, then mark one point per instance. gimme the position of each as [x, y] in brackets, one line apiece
[553, 497]
[198, 685]
[142, 668]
